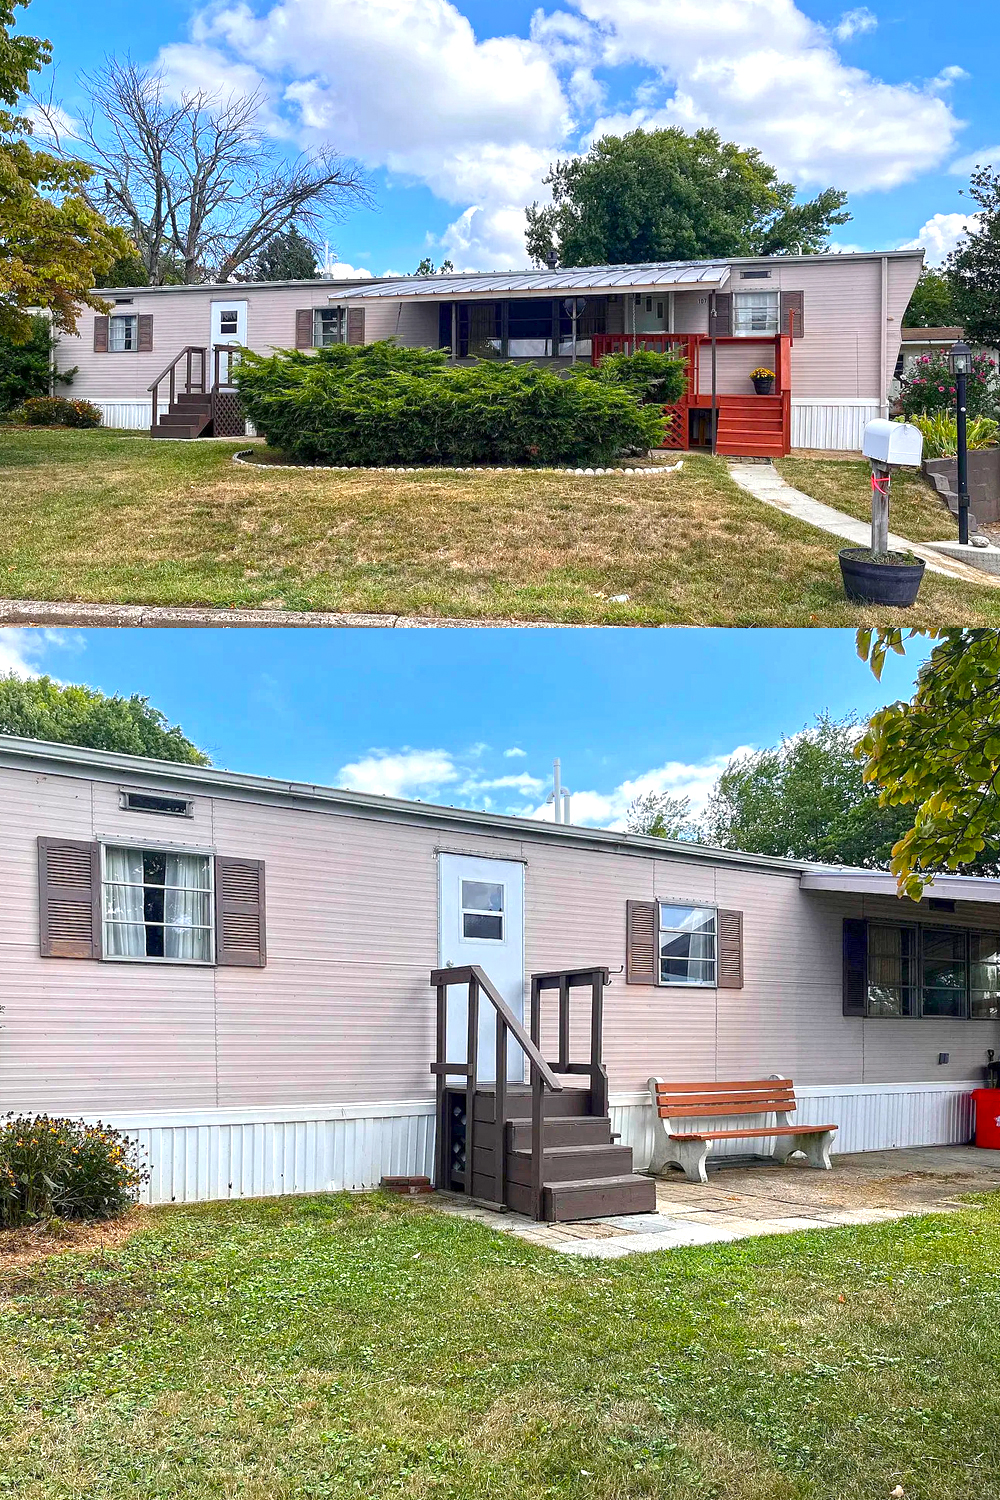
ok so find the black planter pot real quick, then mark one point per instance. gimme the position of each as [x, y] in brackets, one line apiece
[867, 582]
[763, 386]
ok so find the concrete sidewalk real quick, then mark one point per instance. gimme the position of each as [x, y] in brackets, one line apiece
[171, 617]
[765, 483]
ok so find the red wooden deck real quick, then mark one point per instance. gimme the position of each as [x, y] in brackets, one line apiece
[746, 424]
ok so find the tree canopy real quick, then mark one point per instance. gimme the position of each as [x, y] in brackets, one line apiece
[932, 304]
[659, 815]
[288, 256]
[805, 799]
[53, 245]
[41, 709]
[937, 757]
[974, 267]
[669, 195]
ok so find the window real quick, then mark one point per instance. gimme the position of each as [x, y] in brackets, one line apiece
[329, 326]
[122, 333]
[157, 904]
[892, 970]
[755, 275]
[932, 972]
[756, 312]
[482, 910]
[155, 802]
[229, 322]
[687, 944]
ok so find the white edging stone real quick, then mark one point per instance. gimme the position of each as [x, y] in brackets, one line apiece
[245, 457]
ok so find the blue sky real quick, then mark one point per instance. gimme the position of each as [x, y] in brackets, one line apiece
[457, 106]
[474, 718]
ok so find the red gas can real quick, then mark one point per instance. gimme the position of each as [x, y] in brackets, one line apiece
[987, 1102]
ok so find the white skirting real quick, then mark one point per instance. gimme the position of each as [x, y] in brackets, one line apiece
[194, 1156]
[134, 416]
[835, 424]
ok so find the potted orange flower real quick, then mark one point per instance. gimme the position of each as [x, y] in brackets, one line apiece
[763, 380]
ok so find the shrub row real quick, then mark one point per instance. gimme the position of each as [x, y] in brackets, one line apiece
[929, 386]
[56, 411]
[381, 405]
[64, 1169]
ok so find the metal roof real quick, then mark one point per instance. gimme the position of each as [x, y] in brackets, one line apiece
[73, 760]
[710, 273]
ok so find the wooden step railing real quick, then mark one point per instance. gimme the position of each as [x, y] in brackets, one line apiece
[564, 981]
[542, 1077]
[188, 374]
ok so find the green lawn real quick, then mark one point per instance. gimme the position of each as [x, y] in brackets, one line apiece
[365, 1347]
[116, 518]
[915, 511]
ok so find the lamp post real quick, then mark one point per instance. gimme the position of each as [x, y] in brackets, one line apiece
[960, 364]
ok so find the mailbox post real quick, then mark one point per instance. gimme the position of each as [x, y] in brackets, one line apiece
[888, 445]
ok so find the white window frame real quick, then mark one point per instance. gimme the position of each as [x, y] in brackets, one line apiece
[125, 347]
[686, 984]
[318, 341]
[746, 302]
[145, 958]
[480, 911]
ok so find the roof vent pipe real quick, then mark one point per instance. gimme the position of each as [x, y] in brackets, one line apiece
[552, 259]
[559, 795]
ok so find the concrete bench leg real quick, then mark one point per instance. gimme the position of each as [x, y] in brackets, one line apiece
[688, 1155]
[815, 1147]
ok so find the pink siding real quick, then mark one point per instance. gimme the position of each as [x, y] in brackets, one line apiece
[342, 1012]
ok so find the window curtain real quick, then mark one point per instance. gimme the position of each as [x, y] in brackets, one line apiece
[186, 912]
[124, 933]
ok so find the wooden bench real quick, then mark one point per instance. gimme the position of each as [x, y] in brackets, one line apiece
[678, 1143]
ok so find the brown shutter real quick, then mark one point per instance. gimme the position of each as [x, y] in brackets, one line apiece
[102, 326]
[792, 308]
[730, 950]
[304, 328]
[721, 324]
[855, 966]
[239, 913]
[355, 325]
[145, 332]
[69, 893]
[640, 942]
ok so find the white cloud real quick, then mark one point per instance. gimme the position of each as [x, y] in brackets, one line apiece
[339, 270]
[940, 235]
[523, 783]
[514, 752]
[21, 650]
[855, 23]
[984, 157]
[764, 74]
[406, 86]
[403, 773]
[678, 778]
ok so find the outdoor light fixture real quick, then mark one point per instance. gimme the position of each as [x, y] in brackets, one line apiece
[960, 363]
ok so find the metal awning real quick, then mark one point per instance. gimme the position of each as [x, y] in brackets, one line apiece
[653, 276]
[881, 883]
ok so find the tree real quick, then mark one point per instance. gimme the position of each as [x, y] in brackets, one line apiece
[53, 245]
[932, 304]
[428, 268]
[937, 758]
[974, 267]
[667, 195]
[805, 799]
[40, 709]
[26, 365]
[660, 816]
[197, 181]
[285, 257]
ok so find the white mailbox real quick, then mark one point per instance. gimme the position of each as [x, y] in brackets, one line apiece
[893, 443]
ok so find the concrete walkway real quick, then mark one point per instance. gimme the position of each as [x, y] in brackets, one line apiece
[144, 616]
[745, 1200]
[765, 483]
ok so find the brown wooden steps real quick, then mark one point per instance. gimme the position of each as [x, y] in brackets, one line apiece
[569, 1202]
[585, 1174]
[188, 416]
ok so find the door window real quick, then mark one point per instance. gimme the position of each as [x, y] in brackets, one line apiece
[229, 322]
[483, 910]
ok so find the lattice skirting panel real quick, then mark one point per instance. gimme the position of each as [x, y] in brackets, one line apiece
[229, 418]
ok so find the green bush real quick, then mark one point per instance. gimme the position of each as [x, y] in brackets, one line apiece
[929, 386]
[378, 404]
[647, 374]
[56, 411]
[25, 366]
[940, 432]
[64, 1169]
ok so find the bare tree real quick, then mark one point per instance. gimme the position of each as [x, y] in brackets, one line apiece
[195, 181]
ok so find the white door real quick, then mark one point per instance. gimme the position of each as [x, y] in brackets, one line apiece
[229, 326]
[481, 921]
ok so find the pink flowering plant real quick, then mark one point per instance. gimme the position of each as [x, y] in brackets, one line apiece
[929, 386]
[51, 1168]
